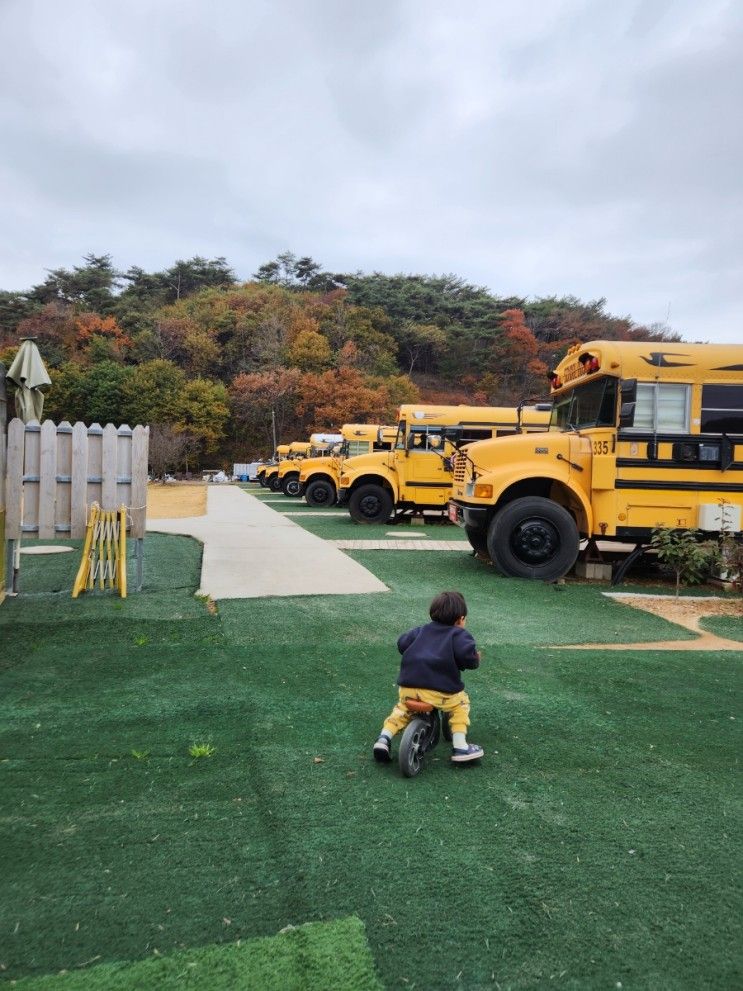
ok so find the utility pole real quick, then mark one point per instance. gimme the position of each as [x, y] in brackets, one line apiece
[273, 430]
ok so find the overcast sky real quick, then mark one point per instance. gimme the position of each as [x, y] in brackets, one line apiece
[539, 148]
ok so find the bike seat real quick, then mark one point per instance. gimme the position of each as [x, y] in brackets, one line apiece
[416, 706]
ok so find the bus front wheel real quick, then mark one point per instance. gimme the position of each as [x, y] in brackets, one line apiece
[478, 539]
[291, 486]
[370, 504]
[274, 483]
[320, 493]
[533, 538]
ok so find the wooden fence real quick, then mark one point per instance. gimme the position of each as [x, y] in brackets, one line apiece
[54, 472]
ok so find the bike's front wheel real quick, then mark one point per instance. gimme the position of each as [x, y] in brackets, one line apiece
[414, 743]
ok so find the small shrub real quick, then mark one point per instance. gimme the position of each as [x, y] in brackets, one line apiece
[141, 640]
[199, 750]
[730, 560]
[685, 554]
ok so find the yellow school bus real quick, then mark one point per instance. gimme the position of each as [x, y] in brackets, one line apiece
[270, 471]
[417, 473]
[643, 435]
[298, 449]
[319, 477]
[319, 446]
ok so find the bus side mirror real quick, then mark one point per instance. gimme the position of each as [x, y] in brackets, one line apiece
[628, 396]
[726, 452]
[627, 414]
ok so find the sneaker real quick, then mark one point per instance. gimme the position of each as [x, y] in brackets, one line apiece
[382, 750]
[471, 752]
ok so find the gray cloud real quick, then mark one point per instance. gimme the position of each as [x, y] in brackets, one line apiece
[558, 147]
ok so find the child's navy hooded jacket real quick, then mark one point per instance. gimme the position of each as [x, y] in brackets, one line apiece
[433, 656]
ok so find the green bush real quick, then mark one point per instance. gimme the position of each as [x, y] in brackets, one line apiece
[683, 551]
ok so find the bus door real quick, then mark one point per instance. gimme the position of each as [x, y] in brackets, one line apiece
[427, 468]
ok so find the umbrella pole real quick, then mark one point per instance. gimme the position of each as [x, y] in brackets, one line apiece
[15, 558]
[16, 566]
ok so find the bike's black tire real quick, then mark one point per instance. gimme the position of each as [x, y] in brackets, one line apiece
[413, 745]
[274, 483]
[446, 728]
[533, 537]
[370, 504]
[320, 493]
[291, 486]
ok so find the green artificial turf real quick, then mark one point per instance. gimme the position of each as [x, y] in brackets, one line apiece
[344, 528]
[730, 627]
[595, 845]
[313, 957]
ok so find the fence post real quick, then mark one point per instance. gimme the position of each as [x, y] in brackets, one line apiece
[109, 465]
[47, 480]
[79, 481]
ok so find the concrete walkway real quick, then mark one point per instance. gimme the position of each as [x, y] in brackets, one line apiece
[251, 551]
[403, 544]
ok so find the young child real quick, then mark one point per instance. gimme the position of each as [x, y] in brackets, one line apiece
[432, 658]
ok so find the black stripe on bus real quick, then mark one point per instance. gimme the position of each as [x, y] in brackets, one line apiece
[694, 465]
[636, 483]
[430, 485]
[634, 437]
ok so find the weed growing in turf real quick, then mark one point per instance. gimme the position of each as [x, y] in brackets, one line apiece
[198, 750]
[140, 754]
[141, 640]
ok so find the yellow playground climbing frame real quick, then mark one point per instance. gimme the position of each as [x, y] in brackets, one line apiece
[103, 560]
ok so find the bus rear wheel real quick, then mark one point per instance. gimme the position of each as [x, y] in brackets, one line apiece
[320, 493]
[262, 479]
[291, 486]
[533, 538]
[370, 504]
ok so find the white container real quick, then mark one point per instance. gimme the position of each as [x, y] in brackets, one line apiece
[715, 518]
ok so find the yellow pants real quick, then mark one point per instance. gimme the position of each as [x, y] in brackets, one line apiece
[457, 707]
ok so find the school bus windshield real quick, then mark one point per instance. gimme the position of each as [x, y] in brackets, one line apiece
[591, 405]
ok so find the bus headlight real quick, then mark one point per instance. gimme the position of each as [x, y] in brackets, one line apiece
[483, 491]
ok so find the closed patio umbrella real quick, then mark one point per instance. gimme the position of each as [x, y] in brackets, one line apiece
[31, 379]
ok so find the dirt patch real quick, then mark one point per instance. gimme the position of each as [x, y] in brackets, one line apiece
[175, 500]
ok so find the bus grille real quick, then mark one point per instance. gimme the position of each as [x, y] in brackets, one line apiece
[460, 466]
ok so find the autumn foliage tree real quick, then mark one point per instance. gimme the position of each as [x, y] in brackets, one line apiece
[190, 348]
[518, 371]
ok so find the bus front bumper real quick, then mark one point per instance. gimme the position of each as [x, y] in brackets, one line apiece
[473, 517]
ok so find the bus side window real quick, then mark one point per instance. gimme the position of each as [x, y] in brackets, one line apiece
[722, 409]
[662, 407]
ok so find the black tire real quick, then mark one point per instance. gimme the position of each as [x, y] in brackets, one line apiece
[262, 479]
[414, 744]
[274, 483]
[446, 728]
[370, 504]
[533, 538]
[478, 539]
[321, 492]
[291, 486]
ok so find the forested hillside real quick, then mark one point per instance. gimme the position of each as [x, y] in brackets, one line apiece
[191, 349]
